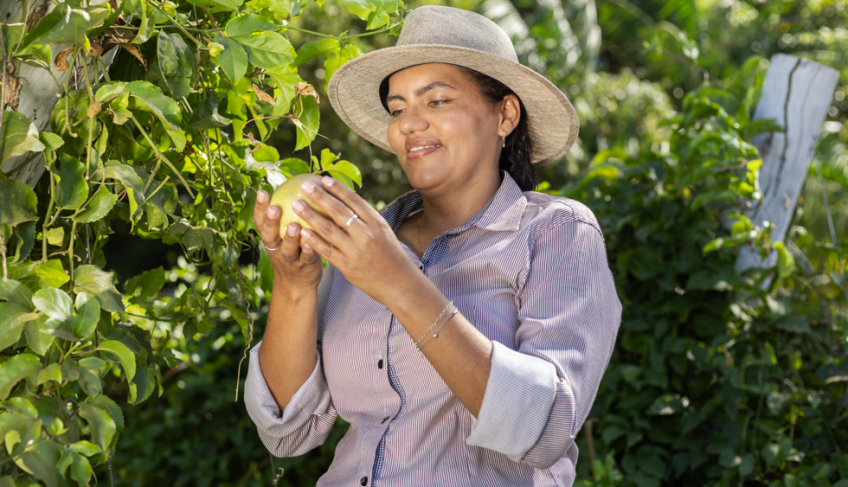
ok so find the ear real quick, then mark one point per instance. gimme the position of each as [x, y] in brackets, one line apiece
[510, 115]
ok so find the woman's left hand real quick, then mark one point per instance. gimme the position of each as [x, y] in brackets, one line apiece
[368, 253]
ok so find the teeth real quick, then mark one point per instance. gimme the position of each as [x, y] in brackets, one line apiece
[422, 148]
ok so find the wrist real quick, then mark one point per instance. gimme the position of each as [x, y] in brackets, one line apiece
[293, 293]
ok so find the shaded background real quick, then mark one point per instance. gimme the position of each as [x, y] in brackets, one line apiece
[625, 65]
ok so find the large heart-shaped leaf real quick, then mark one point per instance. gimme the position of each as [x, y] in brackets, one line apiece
[266, 50]
[72, 190]
[93, 280]
[17, 202]
[19, 136]
[176, 63]
[248, 24]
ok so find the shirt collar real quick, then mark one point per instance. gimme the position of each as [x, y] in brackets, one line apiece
[502, 213]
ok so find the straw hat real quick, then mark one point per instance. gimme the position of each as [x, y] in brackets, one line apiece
[436, 34]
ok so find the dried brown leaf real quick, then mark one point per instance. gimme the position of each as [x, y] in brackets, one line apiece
[93, 109]
[305, 89]
[60, 62]
[134, 50]
[96, 49]
[119, 36]
[13, 84]
[262, 95]
[36, 15]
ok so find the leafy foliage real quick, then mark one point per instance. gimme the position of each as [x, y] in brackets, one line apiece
[171, 140]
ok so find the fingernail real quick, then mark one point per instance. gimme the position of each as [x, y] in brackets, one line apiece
[327, 181]
[305, 233]
[291, 230]
[298, 205]
[272, 212]
[307, 187]
[262, 196]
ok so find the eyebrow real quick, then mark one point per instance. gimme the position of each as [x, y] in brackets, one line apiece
[422, 90]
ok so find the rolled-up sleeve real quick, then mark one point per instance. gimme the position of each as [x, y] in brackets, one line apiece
[305, 422]
[541, 388]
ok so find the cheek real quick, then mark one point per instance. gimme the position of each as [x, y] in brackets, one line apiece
[395, 138]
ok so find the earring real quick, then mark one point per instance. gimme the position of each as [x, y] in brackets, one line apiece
[504, 141]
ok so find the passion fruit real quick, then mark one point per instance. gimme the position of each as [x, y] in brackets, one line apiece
[286, 193]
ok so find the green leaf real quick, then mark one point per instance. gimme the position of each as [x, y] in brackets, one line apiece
[64, 25]
[228, 5]
[381, 15]
[78, 464]
[95, 281]
[313, 49]
[41, 461]
[110, 407]
[17, 202]
[249, 24]
[266, 50]
[87, 316]
[294, 166]
[52, 372]
[102, 425]
[15, 292]
[340, 56]
[206, 116]
[13, 317]
[15, 369]
[785, 260]
[124, 355]
[348, 170]
[86, 447]
[51, 273]
[98, 207]
[53, 302]
[145, 285]
[19, 136]
[37, 341]
[287, 80]
[38, 56]
[148, 97]
[23, 241]
[233, 59]
[176, 63]
[307, 123]
[132, 183]
[55, 236]
[668, 404]
[72, 190]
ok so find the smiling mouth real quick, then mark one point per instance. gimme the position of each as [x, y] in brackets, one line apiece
[416, 149]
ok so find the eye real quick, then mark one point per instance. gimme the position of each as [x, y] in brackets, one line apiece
[439, 102]
[395, 113]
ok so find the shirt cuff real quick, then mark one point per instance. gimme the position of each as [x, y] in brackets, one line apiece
[313, 397]
[516, 405]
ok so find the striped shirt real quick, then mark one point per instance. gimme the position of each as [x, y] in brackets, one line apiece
[530, 272]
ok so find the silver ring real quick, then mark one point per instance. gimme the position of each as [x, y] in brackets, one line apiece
[275, 248]
[350, 222]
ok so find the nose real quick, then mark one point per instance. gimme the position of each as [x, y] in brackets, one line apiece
[412, 121]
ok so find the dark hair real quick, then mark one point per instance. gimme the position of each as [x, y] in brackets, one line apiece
[516, 157]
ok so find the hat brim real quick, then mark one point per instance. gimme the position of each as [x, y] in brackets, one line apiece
[354, 94]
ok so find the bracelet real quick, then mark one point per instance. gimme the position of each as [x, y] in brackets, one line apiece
[445, 310]
[436, 335]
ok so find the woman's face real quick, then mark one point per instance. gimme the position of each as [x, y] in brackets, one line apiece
[443, 130]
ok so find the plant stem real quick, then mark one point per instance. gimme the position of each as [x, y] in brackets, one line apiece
[71, 254]
[67, 94]
[3, 255]
[161, 155]
[153, 174]
[46, 225]
[103, 69]
[343, 38]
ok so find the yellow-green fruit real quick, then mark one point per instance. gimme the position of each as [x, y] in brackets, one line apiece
[286, 193]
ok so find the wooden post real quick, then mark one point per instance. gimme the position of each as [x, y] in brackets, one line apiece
[796, 94]
[39, 93]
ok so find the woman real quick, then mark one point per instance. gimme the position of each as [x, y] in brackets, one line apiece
[463, 331]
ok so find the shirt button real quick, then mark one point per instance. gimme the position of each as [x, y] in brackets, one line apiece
[384, 420]
[380, 364]
[363, 481]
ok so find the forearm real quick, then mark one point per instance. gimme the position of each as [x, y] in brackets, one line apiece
[288, 352]
[461, 354]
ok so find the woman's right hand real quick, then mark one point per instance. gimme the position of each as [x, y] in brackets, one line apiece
[300, 269]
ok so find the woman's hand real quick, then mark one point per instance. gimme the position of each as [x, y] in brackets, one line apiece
[300, 269]
[368, 253]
